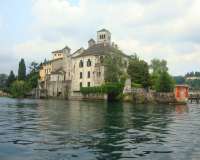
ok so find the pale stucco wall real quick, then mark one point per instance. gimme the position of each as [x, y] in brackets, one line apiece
[94, 80]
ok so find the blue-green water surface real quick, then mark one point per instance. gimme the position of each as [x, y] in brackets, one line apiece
[77, 130]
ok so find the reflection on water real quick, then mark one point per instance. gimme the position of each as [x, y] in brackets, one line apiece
[50, 129]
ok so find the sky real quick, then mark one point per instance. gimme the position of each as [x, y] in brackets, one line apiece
[164, 29]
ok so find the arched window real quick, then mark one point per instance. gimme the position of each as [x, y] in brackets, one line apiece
[89, 63]
[81, 64]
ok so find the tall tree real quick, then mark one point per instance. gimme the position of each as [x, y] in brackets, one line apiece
[22, 70]
[158, 66]
[33, 76]
[138, 71]
[11, 79]
[114, 68]
[164, 83]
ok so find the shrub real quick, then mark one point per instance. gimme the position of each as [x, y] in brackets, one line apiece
[19, 89]
[136, 85]
[109, 88]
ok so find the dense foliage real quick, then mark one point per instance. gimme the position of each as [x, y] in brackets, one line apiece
[164, 83]
[138, 71]
[114, 68]
[158, 66]
[24, 83]
[160, 79]
[33, 76]
[194, 84]
[22, 70]
[19, 89]
[11, 79]
[114, 90]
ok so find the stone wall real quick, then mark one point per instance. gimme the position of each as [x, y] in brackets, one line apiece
[80, 96]
[3, 94]
[142, 96]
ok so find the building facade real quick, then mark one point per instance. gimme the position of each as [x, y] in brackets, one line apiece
[66, 73]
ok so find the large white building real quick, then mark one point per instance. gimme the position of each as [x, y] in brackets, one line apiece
[66, 73]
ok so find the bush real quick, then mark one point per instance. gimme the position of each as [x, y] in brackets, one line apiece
[19, 89]
[114, 89]
[136, 85]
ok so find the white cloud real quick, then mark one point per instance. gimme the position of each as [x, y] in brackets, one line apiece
[152, 28]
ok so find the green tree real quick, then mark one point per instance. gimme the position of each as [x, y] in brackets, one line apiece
[113, 68]
[22, 70]
[165, 82]
[11, 79]
[158, 66]
[33, 76]
[138, 71]
[19, 89]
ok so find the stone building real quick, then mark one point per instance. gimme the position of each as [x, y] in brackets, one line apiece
[66, 73]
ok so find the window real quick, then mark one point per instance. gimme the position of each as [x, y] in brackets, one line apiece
[89, 63]
[81, 85]
[81, 75]
[81, 64]
[88, 75]
[88, 84]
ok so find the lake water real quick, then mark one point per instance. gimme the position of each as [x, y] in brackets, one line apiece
[76, 130]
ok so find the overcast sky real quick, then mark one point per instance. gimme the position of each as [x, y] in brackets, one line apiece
[167, 29]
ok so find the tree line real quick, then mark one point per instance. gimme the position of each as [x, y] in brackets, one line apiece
[154, 76]
[22, 83]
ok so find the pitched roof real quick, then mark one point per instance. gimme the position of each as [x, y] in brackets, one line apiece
[58, 71]
[59, 51]
[103, 30]
[101, 49]
[53, 60]
[91, 40]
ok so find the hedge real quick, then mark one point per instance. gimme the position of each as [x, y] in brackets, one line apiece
[109, 88]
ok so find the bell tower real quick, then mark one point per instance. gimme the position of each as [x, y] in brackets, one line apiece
[104, 36]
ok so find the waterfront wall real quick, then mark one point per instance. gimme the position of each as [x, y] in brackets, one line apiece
[92, 96]
[142, 96]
